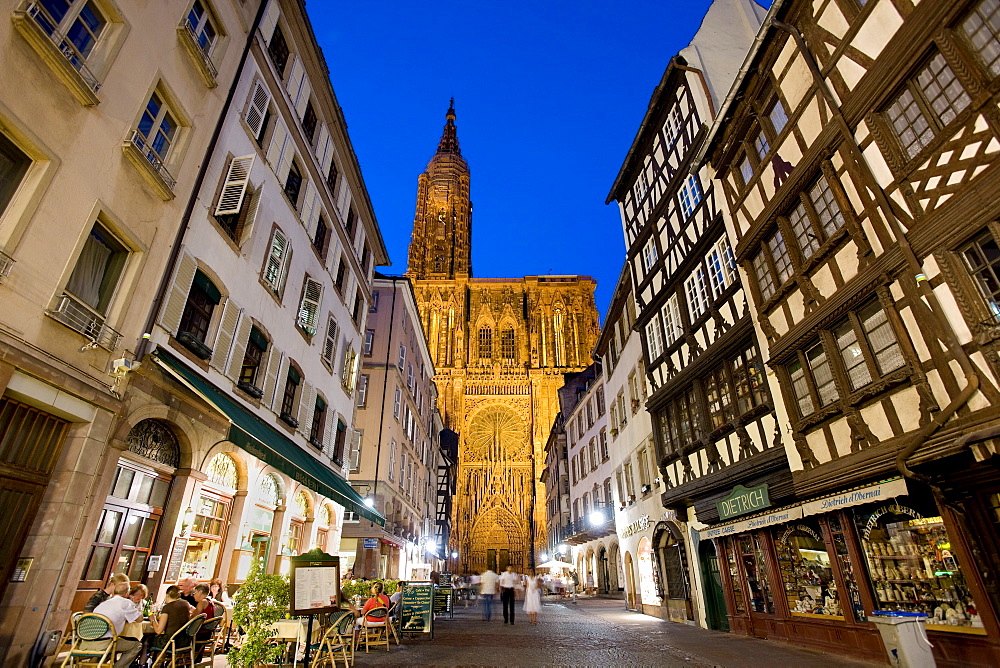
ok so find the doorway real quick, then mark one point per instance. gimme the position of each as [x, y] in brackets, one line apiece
[715, 598]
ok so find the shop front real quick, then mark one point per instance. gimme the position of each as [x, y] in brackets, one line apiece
[812, 573]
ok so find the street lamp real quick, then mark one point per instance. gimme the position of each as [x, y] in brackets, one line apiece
[370, 502]
[597, 516]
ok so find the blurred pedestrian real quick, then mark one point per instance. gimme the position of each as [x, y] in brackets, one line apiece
[533, 598]
[488, 589]
[508, 583]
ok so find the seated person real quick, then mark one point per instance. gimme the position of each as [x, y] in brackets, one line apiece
[133, 629]
[217, 592]
[174, 614]
[101, 595]
[120, 610]
[396, 601]
[377, 600]
[203, 605]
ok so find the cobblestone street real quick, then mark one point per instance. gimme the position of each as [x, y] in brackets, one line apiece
[592, 632]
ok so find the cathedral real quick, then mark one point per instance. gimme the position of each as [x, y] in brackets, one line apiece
[501, 347]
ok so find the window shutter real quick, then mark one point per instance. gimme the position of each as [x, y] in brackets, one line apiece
[227, 329]
[279, 383]
[239, 349]
[257, 109]
[269, 20]
[173, 308]
[303, 98]
[344, 201]
[309, 202]
[354, 458]
[295, 77]
[329, 432]
[277, 148]
[274, 364]
[323, 148]
[312, 295]
[251, 215]
[276, 260]
[307, 406]
[330, 344]
[235, 186]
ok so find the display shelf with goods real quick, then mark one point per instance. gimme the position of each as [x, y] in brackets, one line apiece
[806, 572]
[846, 564]
[739, 603]
[755, 570]
[913, 568]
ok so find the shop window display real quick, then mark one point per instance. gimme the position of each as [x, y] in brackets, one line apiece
[755, 570]
[734, 577]
[852, 596]
[806, 571]
[206, 537]
[913, 567]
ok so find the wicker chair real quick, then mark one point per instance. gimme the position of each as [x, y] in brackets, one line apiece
[375, 631]
[339, 637]
[90, 626]
[180, 647]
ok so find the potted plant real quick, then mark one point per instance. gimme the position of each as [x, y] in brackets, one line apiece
[261, 601]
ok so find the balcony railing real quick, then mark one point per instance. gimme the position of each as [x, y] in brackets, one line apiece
[77, 315]
[6, 262]
[49, 26]
[199, 53]
[152, 157]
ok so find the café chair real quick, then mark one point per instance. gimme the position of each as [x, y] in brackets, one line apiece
[375, 631]
[395, 619]
[207, 641]
[339, 637]
[179, 648]
[90, 626]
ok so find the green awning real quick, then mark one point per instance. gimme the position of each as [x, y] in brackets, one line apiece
[267, 444]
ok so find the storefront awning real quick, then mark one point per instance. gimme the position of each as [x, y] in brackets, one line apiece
[264, 442]
[881, 491]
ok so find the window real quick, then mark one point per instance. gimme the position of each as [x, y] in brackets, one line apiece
[721, 267]
[330, 343]
[349, 225]
[401, 359]
[199, 22]
[156, 131]
[331, 177]
[761, 146]
[778, 117]
[409, 376]
[600, 400]
[603, 439]
[508, 347]
[278, 50]
[363, 390]
[320, 237]
[373, 308]
[349, 374]
[397, 402]
[392, 459]
[318, 423]
[772, 265]
[654, 338]
[74, 25]
[929, 101]
[98, 269]
[748, 377]
[680, 421]
[276, 266]
[341, 275]
[746, 169]
[982, 28]
[719, 398]
[649, 255]
[672, 326]
[812, 380]
[366, 349]
[258, 112]
[690, 195]
[485, 344]
[293, 185]
[14, 165]
[358, 307]
[867, 345]
[340, 442]
[290, 396]
[201, 302]
[253, 357]
[816, 218]
[237, 205]
[309, 306]
[982, 257]
[696, 289]
[672, 128]
[309, 122]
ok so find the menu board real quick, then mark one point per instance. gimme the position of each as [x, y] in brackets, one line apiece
[443, 601]
[315, 583]
[445, 579]
[176, 559]
[417, 605]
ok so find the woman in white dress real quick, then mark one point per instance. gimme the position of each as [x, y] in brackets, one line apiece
[533, 599]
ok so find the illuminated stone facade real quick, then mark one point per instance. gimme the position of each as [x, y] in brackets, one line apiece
[500, 348]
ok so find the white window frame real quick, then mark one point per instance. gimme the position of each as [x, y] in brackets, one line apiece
[654, 337]
[673, 327]
[721, 266]
[649, 255]
[696, 291]
[278, 254]
[690, 195]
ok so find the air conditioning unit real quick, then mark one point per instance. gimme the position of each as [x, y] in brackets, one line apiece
[121, 366]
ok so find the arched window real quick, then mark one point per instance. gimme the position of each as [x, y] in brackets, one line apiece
[300, 505]
[485, 344]
[222, 471]
[268, 490]
[154, 440]
[323, 517]
[508, 345]
[558, 338]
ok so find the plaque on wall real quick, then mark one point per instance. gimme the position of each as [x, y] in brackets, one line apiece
[176, 559]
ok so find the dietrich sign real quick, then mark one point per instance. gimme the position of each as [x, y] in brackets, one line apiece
[743, 500]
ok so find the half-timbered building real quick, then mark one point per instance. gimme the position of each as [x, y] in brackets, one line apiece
[712, 414]
[856, 153]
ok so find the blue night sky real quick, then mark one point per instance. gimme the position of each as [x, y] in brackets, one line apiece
[548, 97]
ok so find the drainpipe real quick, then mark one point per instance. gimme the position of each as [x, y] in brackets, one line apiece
[949, 339]
[143, 344]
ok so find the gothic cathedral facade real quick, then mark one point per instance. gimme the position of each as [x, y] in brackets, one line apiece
[500, 347]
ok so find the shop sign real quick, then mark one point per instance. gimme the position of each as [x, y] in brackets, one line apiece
[640, 524]
[871, 494]
[371, 543]
[743, 500]
[777, 517]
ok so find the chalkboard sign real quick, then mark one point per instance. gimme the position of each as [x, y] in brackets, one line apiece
[445, 579]
[176, 560]
[417, 605]
[443, 601]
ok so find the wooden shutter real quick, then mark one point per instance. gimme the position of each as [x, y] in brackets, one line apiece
[279, 383]
[312, 296]
[257, 108]
[323, 147]
[330, 343]
[354, 455]
[293, 83]
[328, 432]
[227, 329]
[307, 406]
[274, 361]
[310, 200]
[344, 200]
[275, 264]
[269, 20]
[251, 215]
[239, 349]
[302, 101]
[276, 149]
[235, 186]
[173, 308]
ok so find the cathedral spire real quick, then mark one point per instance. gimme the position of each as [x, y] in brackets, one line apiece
[449, 138]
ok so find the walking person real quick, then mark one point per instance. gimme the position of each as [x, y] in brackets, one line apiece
[533, 599]
[488, 589]
[508, 581]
